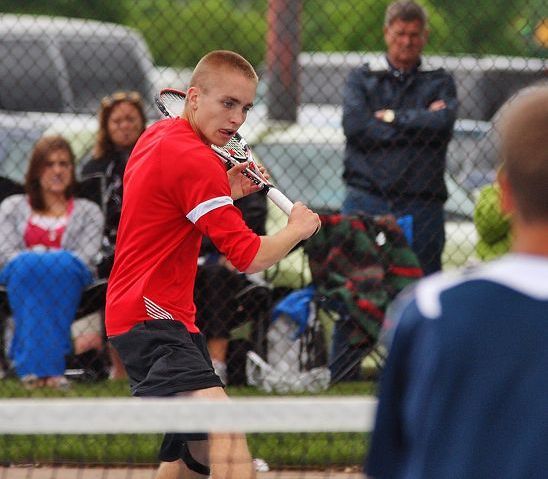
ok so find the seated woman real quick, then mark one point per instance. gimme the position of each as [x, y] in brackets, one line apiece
[121, 121]
[50, 240]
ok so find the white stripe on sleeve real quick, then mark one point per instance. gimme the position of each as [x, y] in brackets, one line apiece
[207, 206]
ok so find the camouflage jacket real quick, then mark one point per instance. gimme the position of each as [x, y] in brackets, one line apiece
[359, 264]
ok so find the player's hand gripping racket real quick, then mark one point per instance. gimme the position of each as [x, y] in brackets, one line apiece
[171, 103]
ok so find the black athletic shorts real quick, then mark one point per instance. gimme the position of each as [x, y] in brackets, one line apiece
[162, 359]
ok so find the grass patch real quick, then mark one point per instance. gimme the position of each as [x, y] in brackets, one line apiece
[278, 449]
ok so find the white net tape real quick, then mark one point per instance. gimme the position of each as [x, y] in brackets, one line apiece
[133, 415]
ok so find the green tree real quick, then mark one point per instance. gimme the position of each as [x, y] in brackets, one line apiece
[485, 26]
[180, 33]
[342, 26]
[94, 9]
[459, 27]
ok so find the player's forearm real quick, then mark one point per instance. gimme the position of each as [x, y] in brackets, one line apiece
[273, 248]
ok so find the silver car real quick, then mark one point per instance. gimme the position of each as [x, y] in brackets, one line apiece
[305, 161]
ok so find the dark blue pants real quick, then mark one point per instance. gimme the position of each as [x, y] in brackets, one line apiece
[44, 290]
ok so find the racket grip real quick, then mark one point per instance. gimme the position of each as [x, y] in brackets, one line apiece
[280, 200]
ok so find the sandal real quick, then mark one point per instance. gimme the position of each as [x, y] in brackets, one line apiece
[58, 382]
[31, 381]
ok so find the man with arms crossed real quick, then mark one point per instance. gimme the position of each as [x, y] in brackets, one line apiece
[398, 121]
[175, 191]
[463, 392]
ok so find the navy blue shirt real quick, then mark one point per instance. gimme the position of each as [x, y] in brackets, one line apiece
[464, 393]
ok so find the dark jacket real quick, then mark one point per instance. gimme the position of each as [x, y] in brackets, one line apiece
[112, 167]
[405, 158]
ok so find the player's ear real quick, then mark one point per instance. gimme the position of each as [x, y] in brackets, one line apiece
[192, 96]
[506, 198]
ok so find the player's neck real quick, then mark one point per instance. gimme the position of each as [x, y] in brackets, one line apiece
[531, 239]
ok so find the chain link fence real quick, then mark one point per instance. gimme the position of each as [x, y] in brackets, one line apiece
[58, 61]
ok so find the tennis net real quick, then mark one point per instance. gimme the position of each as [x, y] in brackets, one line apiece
[294, 437]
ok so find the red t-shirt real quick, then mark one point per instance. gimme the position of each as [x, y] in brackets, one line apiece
[175, 190]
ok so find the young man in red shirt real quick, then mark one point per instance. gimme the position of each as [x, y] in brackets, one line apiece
[175, 191]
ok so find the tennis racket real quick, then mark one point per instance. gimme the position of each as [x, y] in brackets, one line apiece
[171, 104]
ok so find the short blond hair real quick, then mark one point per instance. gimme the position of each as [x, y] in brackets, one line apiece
[218, 60]
[524, 150]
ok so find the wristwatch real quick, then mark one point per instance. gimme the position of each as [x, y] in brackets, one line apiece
[388, 116]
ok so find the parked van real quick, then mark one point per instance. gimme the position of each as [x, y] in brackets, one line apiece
[55, 72]
[66, 65]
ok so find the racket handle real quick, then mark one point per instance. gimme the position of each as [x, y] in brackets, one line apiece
[280, 200]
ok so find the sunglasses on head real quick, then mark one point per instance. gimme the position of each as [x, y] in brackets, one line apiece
[116, 97]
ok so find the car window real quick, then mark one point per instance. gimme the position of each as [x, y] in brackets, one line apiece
[308, 172]
[15, 147]
[29, 78]
[98, 68]
[460, 202]
[467, 163]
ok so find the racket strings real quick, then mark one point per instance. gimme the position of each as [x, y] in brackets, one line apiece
[173, 102]
[235, 149]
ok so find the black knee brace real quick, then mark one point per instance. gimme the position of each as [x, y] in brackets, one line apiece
[175, 447]
[192, 463]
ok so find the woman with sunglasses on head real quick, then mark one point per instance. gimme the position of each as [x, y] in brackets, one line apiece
[121, 122]
[50, 240]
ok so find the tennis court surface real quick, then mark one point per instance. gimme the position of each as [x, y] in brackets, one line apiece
[48, 472]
